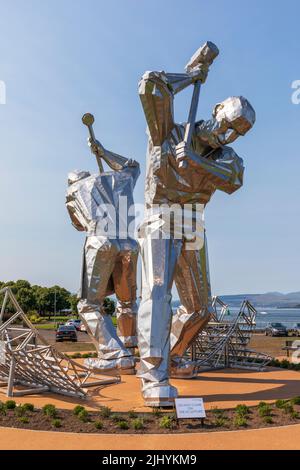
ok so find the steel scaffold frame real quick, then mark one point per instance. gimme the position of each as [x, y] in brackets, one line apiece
[224, 343]
[34, 366]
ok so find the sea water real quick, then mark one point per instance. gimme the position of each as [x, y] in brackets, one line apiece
[287, 316]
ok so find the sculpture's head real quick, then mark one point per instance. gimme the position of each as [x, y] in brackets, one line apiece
[233, 117]
[77, 175]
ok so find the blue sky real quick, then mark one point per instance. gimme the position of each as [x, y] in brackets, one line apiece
[60, 59]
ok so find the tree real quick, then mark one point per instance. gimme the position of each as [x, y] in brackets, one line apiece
[73, 299]
[109, 306]
[60, 298]
[43, 299]
[26, 299]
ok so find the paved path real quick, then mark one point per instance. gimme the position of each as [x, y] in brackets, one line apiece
[286, 438]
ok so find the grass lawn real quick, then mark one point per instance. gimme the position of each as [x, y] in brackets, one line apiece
[269, 345]
[75, 347]
[45, 326]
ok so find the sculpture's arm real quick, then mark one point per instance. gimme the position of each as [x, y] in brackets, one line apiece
[224, 168]
[71, 207]
[115, 161]
[157, 90]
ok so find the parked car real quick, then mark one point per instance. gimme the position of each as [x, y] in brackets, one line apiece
[66, 333]
[295, 331]
[276, 329]
[75, 323]
[83, 328]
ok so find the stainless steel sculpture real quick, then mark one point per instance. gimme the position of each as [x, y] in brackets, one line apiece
[29, 365]
[101, 205]
[186, 164]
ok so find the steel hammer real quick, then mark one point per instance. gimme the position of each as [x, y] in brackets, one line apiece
[88, 120]
[205, 55]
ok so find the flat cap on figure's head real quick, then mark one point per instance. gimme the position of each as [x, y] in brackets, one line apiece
[235, 113]
[77, 175]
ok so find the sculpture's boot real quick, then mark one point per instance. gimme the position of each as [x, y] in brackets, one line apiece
[158, 394]
[112, 354]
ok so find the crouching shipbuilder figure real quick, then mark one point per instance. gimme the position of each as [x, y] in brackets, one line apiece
[100, 204]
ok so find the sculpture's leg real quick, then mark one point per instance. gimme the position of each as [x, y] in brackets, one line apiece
[193, 285]
[99, 260]
[124, 277]
[159, 259]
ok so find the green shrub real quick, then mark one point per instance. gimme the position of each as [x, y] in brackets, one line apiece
[105, 412]
[280, 404]
[288, 408]
[242, 410]
[20, 411]
[295, 414]
[265, 410]
[262, 404]
[76, 356]
[220, 422]
[34, 318]
[98, 424]
[116, 418]
[56, 423]
[240, 421]
[123, 424]
[28, 407]
[268, 420]
[83, 415]
[166, 422]
[49, 410]
[10, 404]
[78, 409]
[23, 419]
[132, 414]
[296, 401]
[2, 408]
[138, 424]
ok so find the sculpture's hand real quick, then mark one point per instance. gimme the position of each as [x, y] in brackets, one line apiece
[96, 147]
[131, 163]
[199, 73]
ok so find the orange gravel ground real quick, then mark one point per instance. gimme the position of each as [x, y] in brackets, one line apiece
[224, 389]
[285, 438]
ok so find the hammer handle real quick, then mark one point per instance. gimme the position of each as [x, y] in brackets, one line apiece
[98, 158]
[192, 114]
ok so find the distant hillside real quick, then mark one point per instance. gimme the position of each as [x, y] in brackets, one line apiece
[270, 299]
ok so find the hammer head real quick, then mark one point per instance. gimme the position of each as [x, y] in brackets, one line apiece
[206, 54]
[88, 119]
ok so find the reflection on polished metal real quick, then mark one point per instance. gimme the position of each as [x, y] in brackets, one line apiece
[223, 342]
[96, 205]
[29, 365]
[186, 164]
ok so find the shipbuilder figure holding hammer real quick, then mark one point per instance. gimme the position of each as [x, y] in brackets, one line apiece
[186, 164]
[101, 205]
